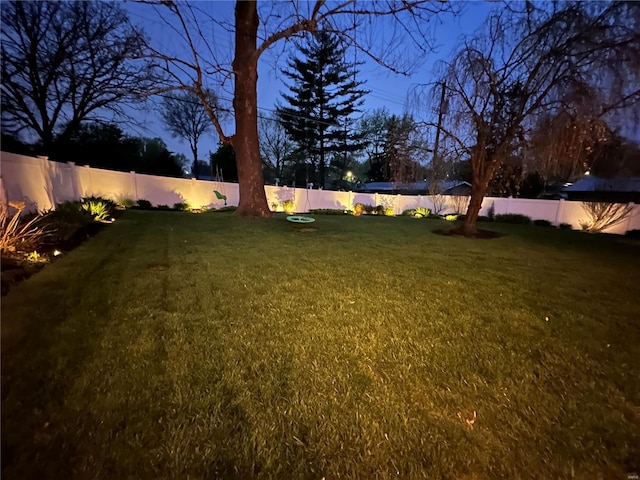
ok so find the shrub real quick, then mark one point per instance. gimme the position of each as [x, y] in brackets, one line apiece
[163, 207]
[71, 210]
[110, 204]
[288, 206]
[126, 203]
[181, 206]
[451, 218]
[18, 234]
[422, 212]
[370, 209]
[491, 214]
[327, 211]
[35, 257]
[144, 204]
[419, 212]
[68, 218]
[515, 218]
[565, 226]
[484, 218]
[439, 203]
[633, 233]
[358, 209]
[542, 223]
[386, 208]
[459, 203]
[99, 208]
[228, 208]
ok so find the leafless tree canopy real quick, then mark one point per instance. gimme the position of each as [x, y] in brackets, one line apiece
[254, 32]
[186, 118]
[275, 146]
[209, 67]
[62, 62]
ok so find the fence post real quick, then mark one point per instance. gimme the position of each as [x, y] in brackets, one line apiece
[134, 185]
[560, 205]
[90, 182]
[74, 177]
[192, 194]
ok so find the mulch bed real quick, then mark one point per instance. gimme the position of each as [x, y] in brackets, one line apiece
[479, 234]
[15, 268]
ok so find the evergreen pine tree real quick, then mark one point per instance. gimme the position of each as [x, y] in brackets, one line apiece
[323, 95]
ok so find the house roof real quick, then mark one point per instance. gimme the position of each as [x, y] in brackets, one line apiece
[410, 186]
[598, 184]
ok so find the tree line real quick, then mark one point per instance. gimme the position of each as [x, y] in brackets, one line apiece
[529, 100]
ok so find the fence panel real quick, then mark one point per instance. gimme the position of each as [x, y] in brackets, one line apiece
[42, 184]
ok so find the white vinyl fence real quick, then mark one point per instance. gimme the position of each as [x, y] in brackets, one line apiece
[42, 184]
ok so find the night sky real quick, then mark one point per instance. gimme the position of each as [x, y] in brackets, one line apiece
[387, 89]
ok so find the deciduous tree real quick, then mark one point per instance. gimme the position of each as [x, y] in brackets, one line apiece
[532, 62]
[66, 62]
[186, 118]
[254, 33]
[276, 148]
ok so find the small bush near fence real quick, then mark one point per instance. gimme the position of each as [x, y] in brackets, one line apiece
[542, 223]
[126, 203]
[326, 211]
[100, 208]
[633, 233]
[565, 226]
[181, 206]
[419, 212]
[144, 204]
[228, 208]
[515, 218]
[17, 233]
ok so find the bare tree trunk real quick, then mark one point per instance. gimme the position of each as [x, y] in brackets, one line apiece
[479, 187]
[253, 200]
[475, 204]
[196, 165]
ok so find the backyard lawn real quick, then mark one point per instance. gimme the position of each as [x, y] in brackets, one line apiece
[175, 346]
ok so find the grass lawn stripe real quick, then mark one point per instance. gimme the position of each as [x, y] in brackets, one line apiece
[207, 346]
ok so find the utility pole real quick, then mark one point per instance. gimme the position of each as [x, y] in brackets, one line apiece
[435, 164]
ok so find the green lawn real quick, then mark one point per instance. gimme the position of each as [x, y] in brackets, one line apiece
[179, 346]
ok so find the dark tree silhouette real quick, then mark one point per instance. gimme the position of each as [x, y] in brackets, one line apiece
[324, 94]
[276, 148]
[186, 118]
[64, 63]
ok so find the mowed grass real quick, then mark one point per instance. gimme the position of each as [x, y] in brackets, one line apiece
[208, 346]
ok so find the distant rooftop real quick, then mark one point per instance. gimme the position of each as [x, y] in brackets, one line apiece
[592, 183]
[411, 186]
